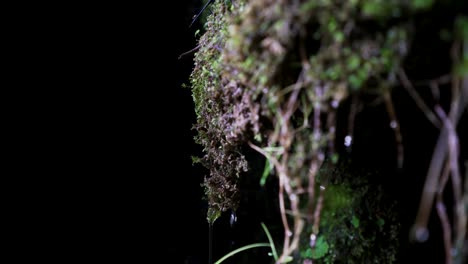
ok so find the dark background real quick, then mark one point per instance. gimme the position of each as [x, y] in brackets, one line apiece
[140, 199]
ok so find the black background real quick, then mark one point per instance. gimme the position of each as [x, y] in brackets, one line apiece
[137, 196]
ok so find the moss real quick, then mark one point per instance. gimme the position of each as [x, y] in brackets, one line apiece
[214, 117]
[267, 75]
[359, 224]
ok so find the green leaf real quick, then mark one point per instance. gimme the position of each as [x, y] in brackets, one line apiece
[270, 240]
[372, 8]
[354, 81]
[461, 27]
[461, 69]
[339, 36]
[307, 253]
[355, 221]
[353, 62]
[334, 158]
[422, 4]
[266, 172]
[195, 160]
[212, 215]
[320, 249]
[230, 254]
[332, 25]
[380, 222]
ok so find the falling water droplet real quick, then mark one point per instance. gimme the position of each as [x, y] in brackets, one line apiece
[454, 252]
[393, 124]
[421, 234]
[313, 237]
[334, 104]
[233, 219]
[321, 156]
[292, 197]
[348, 140]
[289, 233]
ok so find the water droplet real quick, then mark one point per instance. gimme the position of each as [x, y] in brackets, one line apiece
[313, 237]
[421, 234]
[348, 140]
[289, 233]
[334, 104]
[316, 135]
[321, 156]
[322, 187]
[233, 219]
[292, 197]
[393, 124]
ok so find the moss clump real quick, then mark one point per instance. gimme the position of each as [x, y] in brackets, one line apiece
[215, 115]
[271, 75]
[265, 67]
[358, 223]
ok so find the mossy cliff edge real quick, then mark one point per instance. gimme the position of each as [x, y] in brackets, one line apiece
[271, 75]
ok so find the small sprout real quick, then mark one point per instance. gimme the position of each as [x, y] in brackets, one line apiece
[332, 25]
[353, 62]
[355, 221]
[212, 215]
[355, 82]
[339, 36]
[422, 4]
[461, 27]
[195, 160]
[334, 158]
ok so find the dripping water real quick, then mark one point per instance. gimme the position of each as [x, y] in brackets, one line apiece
[348, 141]
[233, 219]
[210, 243]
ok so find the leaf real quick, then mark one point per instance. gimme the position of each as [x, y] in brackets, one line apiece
[230, 254]
[353, 62]
[196, 160]
[266, 172]
[321, 248]
[355, 221]
[270, 240]
[380, 222]
[212, 215]
[422, 4]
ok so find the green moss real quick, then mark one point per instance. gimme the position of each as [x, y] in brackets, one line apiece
[354, 224]
[261, 72]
